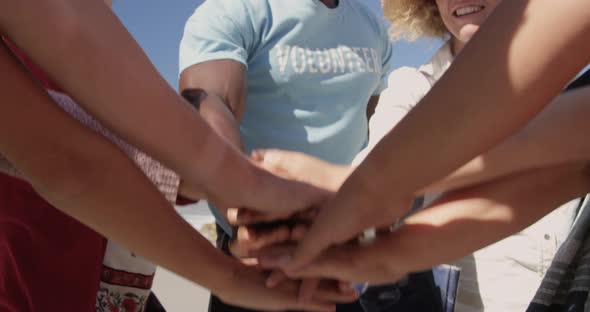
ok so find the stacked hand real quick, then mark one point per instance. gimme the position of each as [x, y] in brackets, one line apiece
[289, 245]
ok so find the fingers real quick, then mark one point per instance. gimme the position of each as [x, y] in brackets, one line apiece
[257, 155]
[244, 216]
[340, 221]
[273, 157]
[323, 290]
[251, 262]
[249, 241]
[273, 161]
[328, 229]
[336, 263]
[342, 294]
[275, 278]
[307, 288]
[340, 263]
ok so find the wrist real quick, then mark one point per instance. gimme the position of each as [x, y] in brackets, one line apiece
[337, 175]
[224, 172]
[227, 282]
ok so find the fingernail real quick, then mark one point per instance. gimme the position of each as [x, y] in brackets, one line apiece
[232, 215]
[269, 158]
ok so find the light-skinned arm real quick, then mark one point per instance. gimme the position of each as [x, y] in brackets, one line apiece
[83, 174]
[455, 225]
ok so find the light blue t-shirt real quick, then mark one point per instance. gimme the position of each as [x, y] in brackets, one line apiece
[310, 69]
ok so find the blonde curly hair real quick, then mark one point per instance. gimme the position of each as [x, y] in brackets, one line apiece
[411, 19]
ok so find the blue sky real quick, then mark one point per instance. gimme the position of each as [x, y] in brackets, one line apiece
[157, 25]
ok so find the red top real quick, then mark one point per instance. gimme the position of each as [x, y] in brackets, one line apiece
[48, 260]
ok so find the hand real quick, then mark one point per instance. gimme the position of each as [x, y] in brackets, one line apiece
[308, 285]
[345, 217]
[247, 288]
[249, 240]
[271, 198]
[306, 168]
[373, 262]
[339, 221]
[302, 167]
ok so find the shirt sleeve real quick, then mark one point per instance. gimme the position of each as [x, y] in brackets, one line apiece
[386, 58]
[218, 29]
[406, 87]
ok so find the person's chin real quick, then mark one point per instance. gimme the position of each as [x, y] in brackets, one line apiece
[467, 32]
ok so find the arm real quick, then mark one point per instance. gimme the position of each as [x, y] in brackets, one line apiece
[452, 226]
[63, 162]
[502, 65]
[87, 177]
[66, 34]
[504, 207]
[223, 85]
[556, 136]
[222, 106]
[74, 39]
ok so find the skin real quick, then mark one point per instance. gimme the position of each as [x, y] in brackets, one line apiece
[66, 165]
[430, 237]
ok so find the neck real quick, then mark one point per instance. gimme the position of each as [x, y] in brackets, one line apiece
[330, 3]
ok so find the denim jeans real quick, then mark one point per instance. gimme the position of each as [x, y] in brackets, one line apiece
[429, 291]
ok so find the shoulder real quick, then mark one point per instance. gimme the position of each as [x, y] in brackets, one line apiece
[230, 9]
[376, 20]
[406, 87]
[439, 63]
[408, 78]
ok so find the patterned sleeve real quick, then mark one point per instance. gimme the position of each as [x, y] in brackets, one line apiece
[165, 179]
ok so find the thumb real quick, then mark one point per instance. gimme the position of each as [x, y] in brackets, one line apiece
[331, 227]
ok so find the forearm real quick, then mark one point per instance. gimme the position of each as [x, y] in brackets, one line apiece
[467, 220]
[554, 137]
[90, 179]
[500, 93]
[74, 39]
[215, 112]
